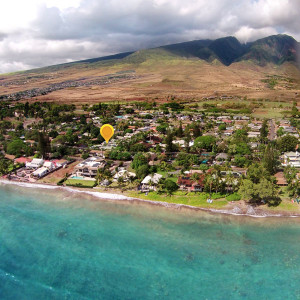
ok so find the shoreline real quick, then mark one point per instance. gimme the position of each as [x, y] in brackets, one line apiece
[235, 211]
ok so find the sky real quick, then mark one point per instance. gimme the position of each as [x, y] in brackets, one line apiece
[35, 33]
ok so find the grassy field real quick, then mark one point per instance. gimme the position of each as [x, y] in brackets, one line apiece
[81, 183]
[197, 200]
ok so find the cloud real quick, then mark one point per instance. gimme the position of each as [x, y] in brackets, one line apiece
[48, 32]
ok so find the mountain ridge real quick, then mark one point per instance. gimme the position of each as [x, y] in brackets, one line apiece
[275, 49]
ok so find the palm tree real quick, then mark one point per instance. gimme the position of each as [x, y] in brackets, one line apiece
[195, 177]
[210, 181]
[99, 176]
[121, 180]
[151, 183]
[229, 181]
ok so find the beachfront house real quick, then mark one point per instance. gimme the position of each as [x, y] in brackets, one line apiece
[49, 165]
[89, 167]
[150, 182]
[187, 183]
[126, 175]
[41, 172]
[35, 163]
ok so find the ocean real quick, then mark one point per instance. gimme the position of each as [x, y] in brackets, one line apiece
[55, 244]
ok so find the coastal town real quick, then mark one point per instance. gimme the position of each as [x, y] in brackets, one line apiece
[201, 153]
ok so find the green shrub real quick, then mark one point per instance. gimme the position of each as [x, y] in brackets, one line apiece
[60, 182]
[233, 197]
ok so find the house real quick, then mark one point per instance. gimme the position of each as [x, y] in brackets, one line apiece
[150, 182]
[254, 145]
[185, 182]
[222, 156]
[41, 172]
[228, 132]
[291, 159]
[241, 171]
[253, 134]
[126, 175]
[23, 160]
[89, 167]
[49, 165]
[35, 163]
[280, 179]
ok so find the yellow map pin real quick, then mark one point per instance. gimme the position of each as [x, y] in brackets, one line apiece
[107, 131]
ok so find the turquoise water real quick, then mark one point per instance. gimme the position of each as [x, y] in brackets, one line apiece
[58, 245]
[77, 177]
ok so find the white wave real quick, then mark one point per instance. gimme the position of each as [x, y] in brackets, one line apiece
[29, 185]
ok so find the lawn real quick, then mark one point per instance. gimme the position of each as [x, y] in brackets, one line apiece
[80, 183]
[165, 175]
[181, 197]
[285, 205]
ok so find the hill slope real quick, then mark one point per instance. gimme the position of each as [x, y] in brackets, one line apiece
[188, 70]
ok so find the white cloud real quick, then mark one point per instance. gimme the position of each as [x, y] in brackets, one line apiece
[43, 32]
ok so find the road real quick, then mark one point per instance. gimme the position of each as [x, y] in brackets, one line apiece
[272, 133]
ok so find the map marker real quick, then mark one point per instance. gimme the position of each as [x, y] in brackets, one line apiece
[107, 131]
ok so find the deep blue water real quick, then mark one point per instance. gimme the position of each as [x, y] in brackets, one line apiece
[57, 245]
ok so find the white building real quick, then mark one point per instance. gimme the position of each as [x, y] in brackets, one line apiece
[291, 159]
[124, 174]
[49, 165]
[40, 172]
[150, 182]
[35, 163]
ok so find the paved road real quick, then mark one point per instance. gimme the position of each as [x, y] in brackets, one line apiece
[272, 133]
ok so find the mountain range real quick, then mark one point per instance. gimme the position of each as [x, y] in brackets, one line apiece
[267, 68]
[275, 49]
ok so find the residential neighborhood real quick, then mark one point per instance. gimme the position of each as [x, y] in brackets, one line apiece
[156, 148]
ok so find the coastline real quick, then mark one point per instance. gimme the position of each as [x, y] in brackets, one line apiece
[237, 210]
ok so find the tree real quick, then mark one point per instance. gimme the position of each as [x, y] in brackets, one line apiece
[230, 180]
[239, 148]
[256, 172]
[4, 164]
[280, 132]
[196, 130]
[222, 127]
[206, 142]
[264, 131]
[170, 186]
[26, 109]
[287, 143]
[44, 144]
[138, 160]
[266, 190]
[169, 142]
[294, 188]
[195, 177]
[162, 128]
[17, 147]
[180, 130]
[142, 171]
[290, 173]
[187, 140]
[120, 180]
[246, 190]
[240, 161]
[240, 135]
[270, 160]
[295, 112]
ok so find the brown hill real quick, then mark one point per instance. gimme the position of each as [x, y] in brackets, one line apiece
[165, 71]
